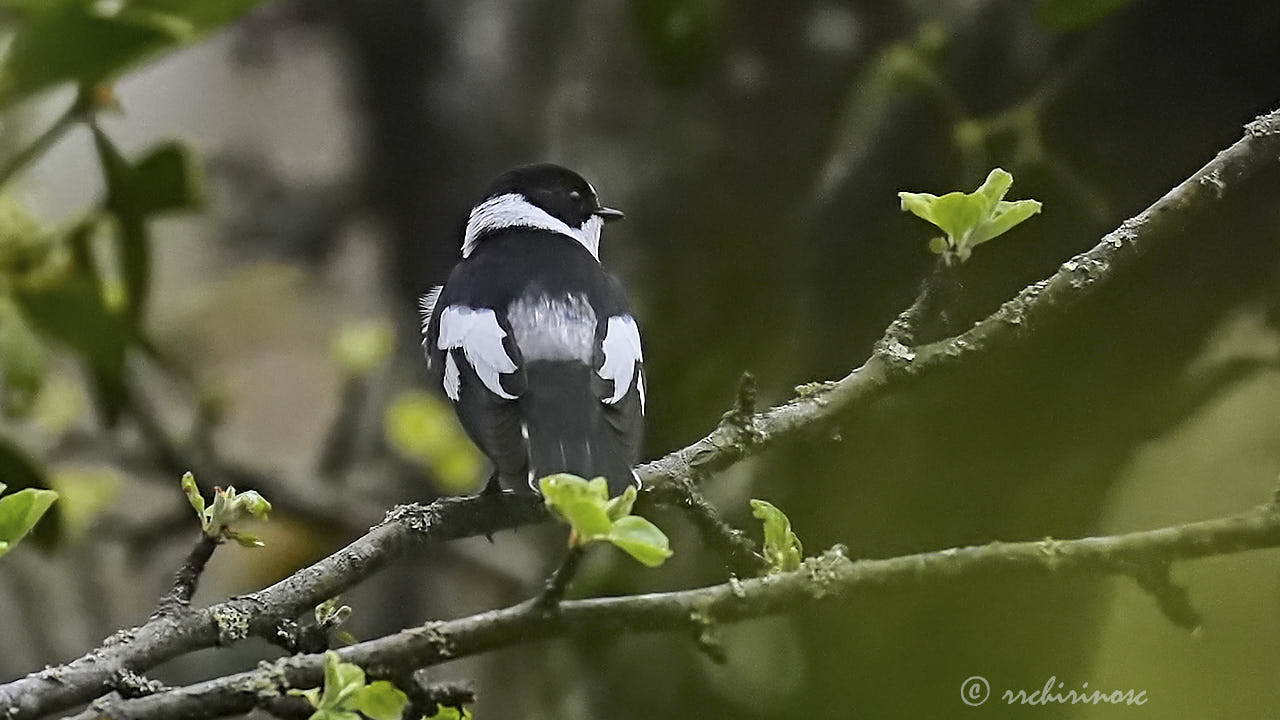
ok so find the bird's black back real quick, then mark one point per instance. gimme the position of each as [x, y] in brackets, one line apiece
[558, 421]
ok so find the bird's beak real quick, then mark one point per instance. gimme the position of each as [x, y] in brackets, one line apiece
[607, 214]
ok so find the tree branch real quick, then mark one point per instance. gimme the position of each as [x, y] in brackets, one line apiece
[163, 638]
[826, 576]
[188, 576]
[731, 544]
[558, 583]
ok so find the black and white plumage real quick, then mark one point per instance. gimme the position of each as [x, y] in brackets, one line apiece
[533, 341]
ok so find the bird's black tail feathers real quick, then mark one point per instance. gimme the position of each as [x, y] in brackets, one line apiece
[568, 428]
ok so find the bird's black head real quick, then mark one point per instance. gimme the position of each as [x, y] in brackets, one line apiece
[563, 193]
[541, 197]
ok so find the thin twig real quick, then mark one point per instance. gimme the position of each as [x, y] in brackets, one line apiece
[735, 549]
[188, 577]
[427, 697]
[558, 583]
[37, 147]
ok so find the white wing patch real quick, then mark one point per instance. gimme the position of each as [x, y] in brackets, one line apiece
[426, 308]
[621, 353]
[452, 378]
[477, 333]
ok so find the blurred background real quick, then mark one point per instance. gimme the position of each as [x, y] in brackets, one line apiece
[218, 271]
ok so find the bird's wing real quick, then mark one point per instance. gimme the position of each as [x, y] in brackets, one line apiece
[478, 334]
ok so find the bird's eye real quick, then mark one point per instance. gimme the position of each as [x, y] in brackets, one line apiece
[575, 196]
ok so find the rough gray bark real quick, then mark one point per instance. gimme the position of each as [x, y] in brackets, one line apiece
[826, 576]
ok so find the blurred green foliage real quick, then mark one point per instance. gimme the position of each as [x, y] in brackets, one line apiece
[1070, 15]
[362, 347]
[423, 429]
[82, 285]
[88, 42]
[82, 496]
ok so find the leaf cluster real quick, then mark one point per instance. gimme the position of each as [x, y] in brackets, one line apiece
[593, 516]
[782, 550]
[228, 507]
[346, 695]
[970, 219]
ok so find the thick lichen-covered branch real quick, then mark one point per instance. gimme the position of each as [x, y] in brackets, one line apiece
[816, 407]
[260, 614]
[829, 575]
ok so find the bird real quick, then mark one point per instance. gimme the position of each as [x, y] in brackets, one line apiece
[534, 342]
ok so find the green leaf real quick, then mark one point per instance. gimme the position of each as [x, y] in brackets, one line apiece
[334, 715]
[423, 429]
[362, 347]
[380, 700]
[1004, 218]
[578, 503]
[640, 539]
[993, 189]
[969, 219]
[587, 518]
[228, 508]
[954, 212]
[20, 472]
[23, 358]
[194, 497]
[592, 516]
[20, 512]
[620, 507]
[89, 41]
[450, 713]
[169, 177]
[124, 201]
[244, 539]
[341, 682]
[312, 695]
[251, 503]
[72, 308]
[782, 548]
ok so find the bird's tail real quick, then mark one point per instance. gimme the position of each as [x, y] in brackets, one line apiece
[568, 429]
